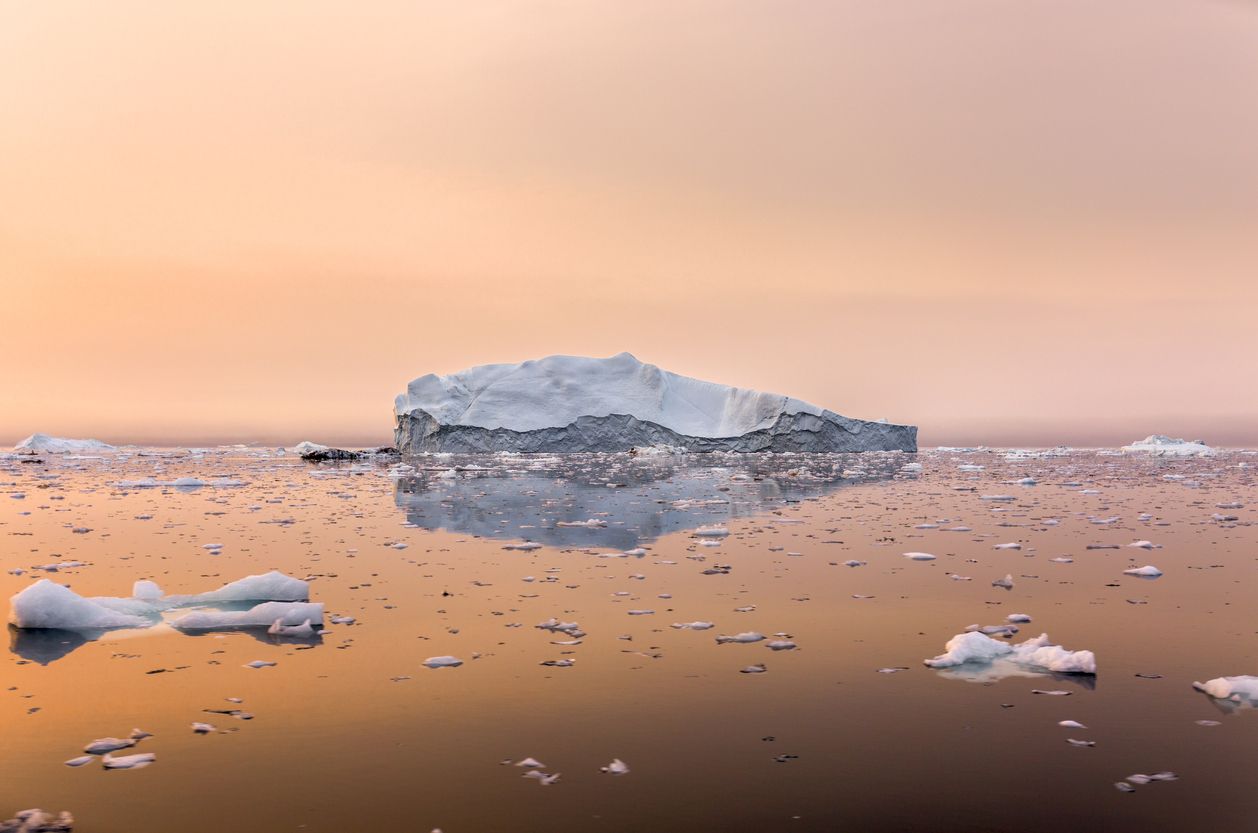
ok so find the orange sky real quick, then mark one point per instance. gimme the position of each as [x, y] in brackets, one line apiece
[1030, 222]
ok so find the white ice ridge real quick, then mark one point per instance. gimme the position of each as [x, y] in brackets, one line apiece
[555, 391]
[1236, 689]
[44, 444]
[975, 647]
[276, 615]
[46, 604]
[1160, 445]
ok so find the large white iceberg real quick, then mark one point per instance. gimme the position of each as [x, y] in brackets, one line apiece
[575, 404]
[1160, 445]
[1037, 653]
[46, 604]
[268, 587]
[44, 444]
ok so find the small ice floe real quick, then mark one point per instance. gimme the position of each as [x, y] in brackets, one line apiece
[616, 767]
[203, 728]
[993, 630]
[1020, 618]
[741, 638]
[641, 612]
[1147, 571]
[527, 546]
[303, 631]
[102, 745]
[1013, 545]
[37, 821]
[275, 616]
[1037, 653]
[80, 761]
[267, 587]
[260, 663]
[558, 663]
[541, 777]
[443, 662]
[1242, 690]
[781, 645]
[893, 669]
[692, 626]
[1074, 742]
[758, 668]
[1055, 692]
[919, 556]
[710, 532]
[1006, 582]
[1071, 724]
[998, 498]
[589, 523]
[137, 761]
[342, 620]
[1145, 545]
[854, 563]
[1124, 787]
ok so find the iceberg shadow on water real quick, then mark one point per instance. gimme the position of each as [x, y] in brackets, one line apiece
[619, 501]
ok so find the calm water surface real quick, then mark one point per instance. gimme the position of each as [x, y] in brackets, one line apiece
[353, 733]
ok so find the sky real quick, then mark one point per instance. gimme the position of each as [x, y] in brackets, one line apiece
[1009, 223]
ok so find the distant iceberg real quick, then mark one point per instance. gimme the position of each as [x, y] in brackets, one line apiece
[575, 404]
[44, 444]
[1160, 445]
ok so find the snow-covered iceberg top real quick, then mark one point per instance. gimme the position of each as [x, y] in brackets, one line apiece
[44, 444]
[1160, 445]
[572, 403]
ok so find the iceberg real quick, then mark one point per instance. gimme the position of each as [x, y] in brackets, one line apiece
[44, 444]
[1160, 445]
[577, 404]
[274, 615]
[268, 587]
[1242, 690]
[46, 604]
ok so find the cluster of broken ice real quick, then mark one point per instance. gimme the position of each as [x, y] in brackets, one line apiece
[1038, 653]
[1243, 689]
[1160, 445]
[282, 605]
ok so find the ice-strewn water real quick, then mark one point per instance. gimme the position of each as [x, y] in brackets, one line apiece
[728, 643]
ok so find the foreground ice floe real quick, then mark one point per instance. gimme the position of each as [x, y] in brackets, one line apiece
[1038, 653]
[1242, 689]
[37, 821]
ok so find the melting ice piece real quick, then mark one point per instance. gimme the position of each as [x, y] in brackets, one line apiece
[1074, 742]
[1006, 582]
[1037, 653]
[1010, 546]
[1243, 689]
[758, 668]
[1071, 724]
[781, 645]
[693, 626]
[137, 761]
[260, 663]
[303, 631]
[80, 761]
[710, 532]
[443, 662]
[741, 638]
[1147, 571]
[46, 604]
[531, 763]
[919, 556]
[202, 728]
[616, 767]
[102, 745]
[266, 615]
[37, 821]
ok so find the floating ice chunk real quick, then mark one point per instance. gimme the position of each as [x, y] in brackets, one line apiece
[44, 444]
[1037, 653]
[781, 645]
[919, 556]
[1147, 571]
[1242, 689]
[693, 626]
[641, 612]
[307, 447]
[265, 615]
[1006, 582]
[530, 763]
[1074, 742]
[260, 663]
[443, 662]
[711, 532]
[526, 546]
[102, 745]
[758, 668]
[616, 767]
[137, 761]
[1124, 787]
[1018, 617]
[268, 587]
[854, 563]
[37, 821]
[591, 523]
[1010, 546]
[1071, 724]
[998, 498]
[46, 604]
[1160, 445]
[741, 638]
[1144, 545]
[80, 761]
[203, 728]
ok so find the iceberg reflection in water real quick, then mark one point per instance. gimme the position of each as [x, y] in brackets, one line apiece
[627, 500]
